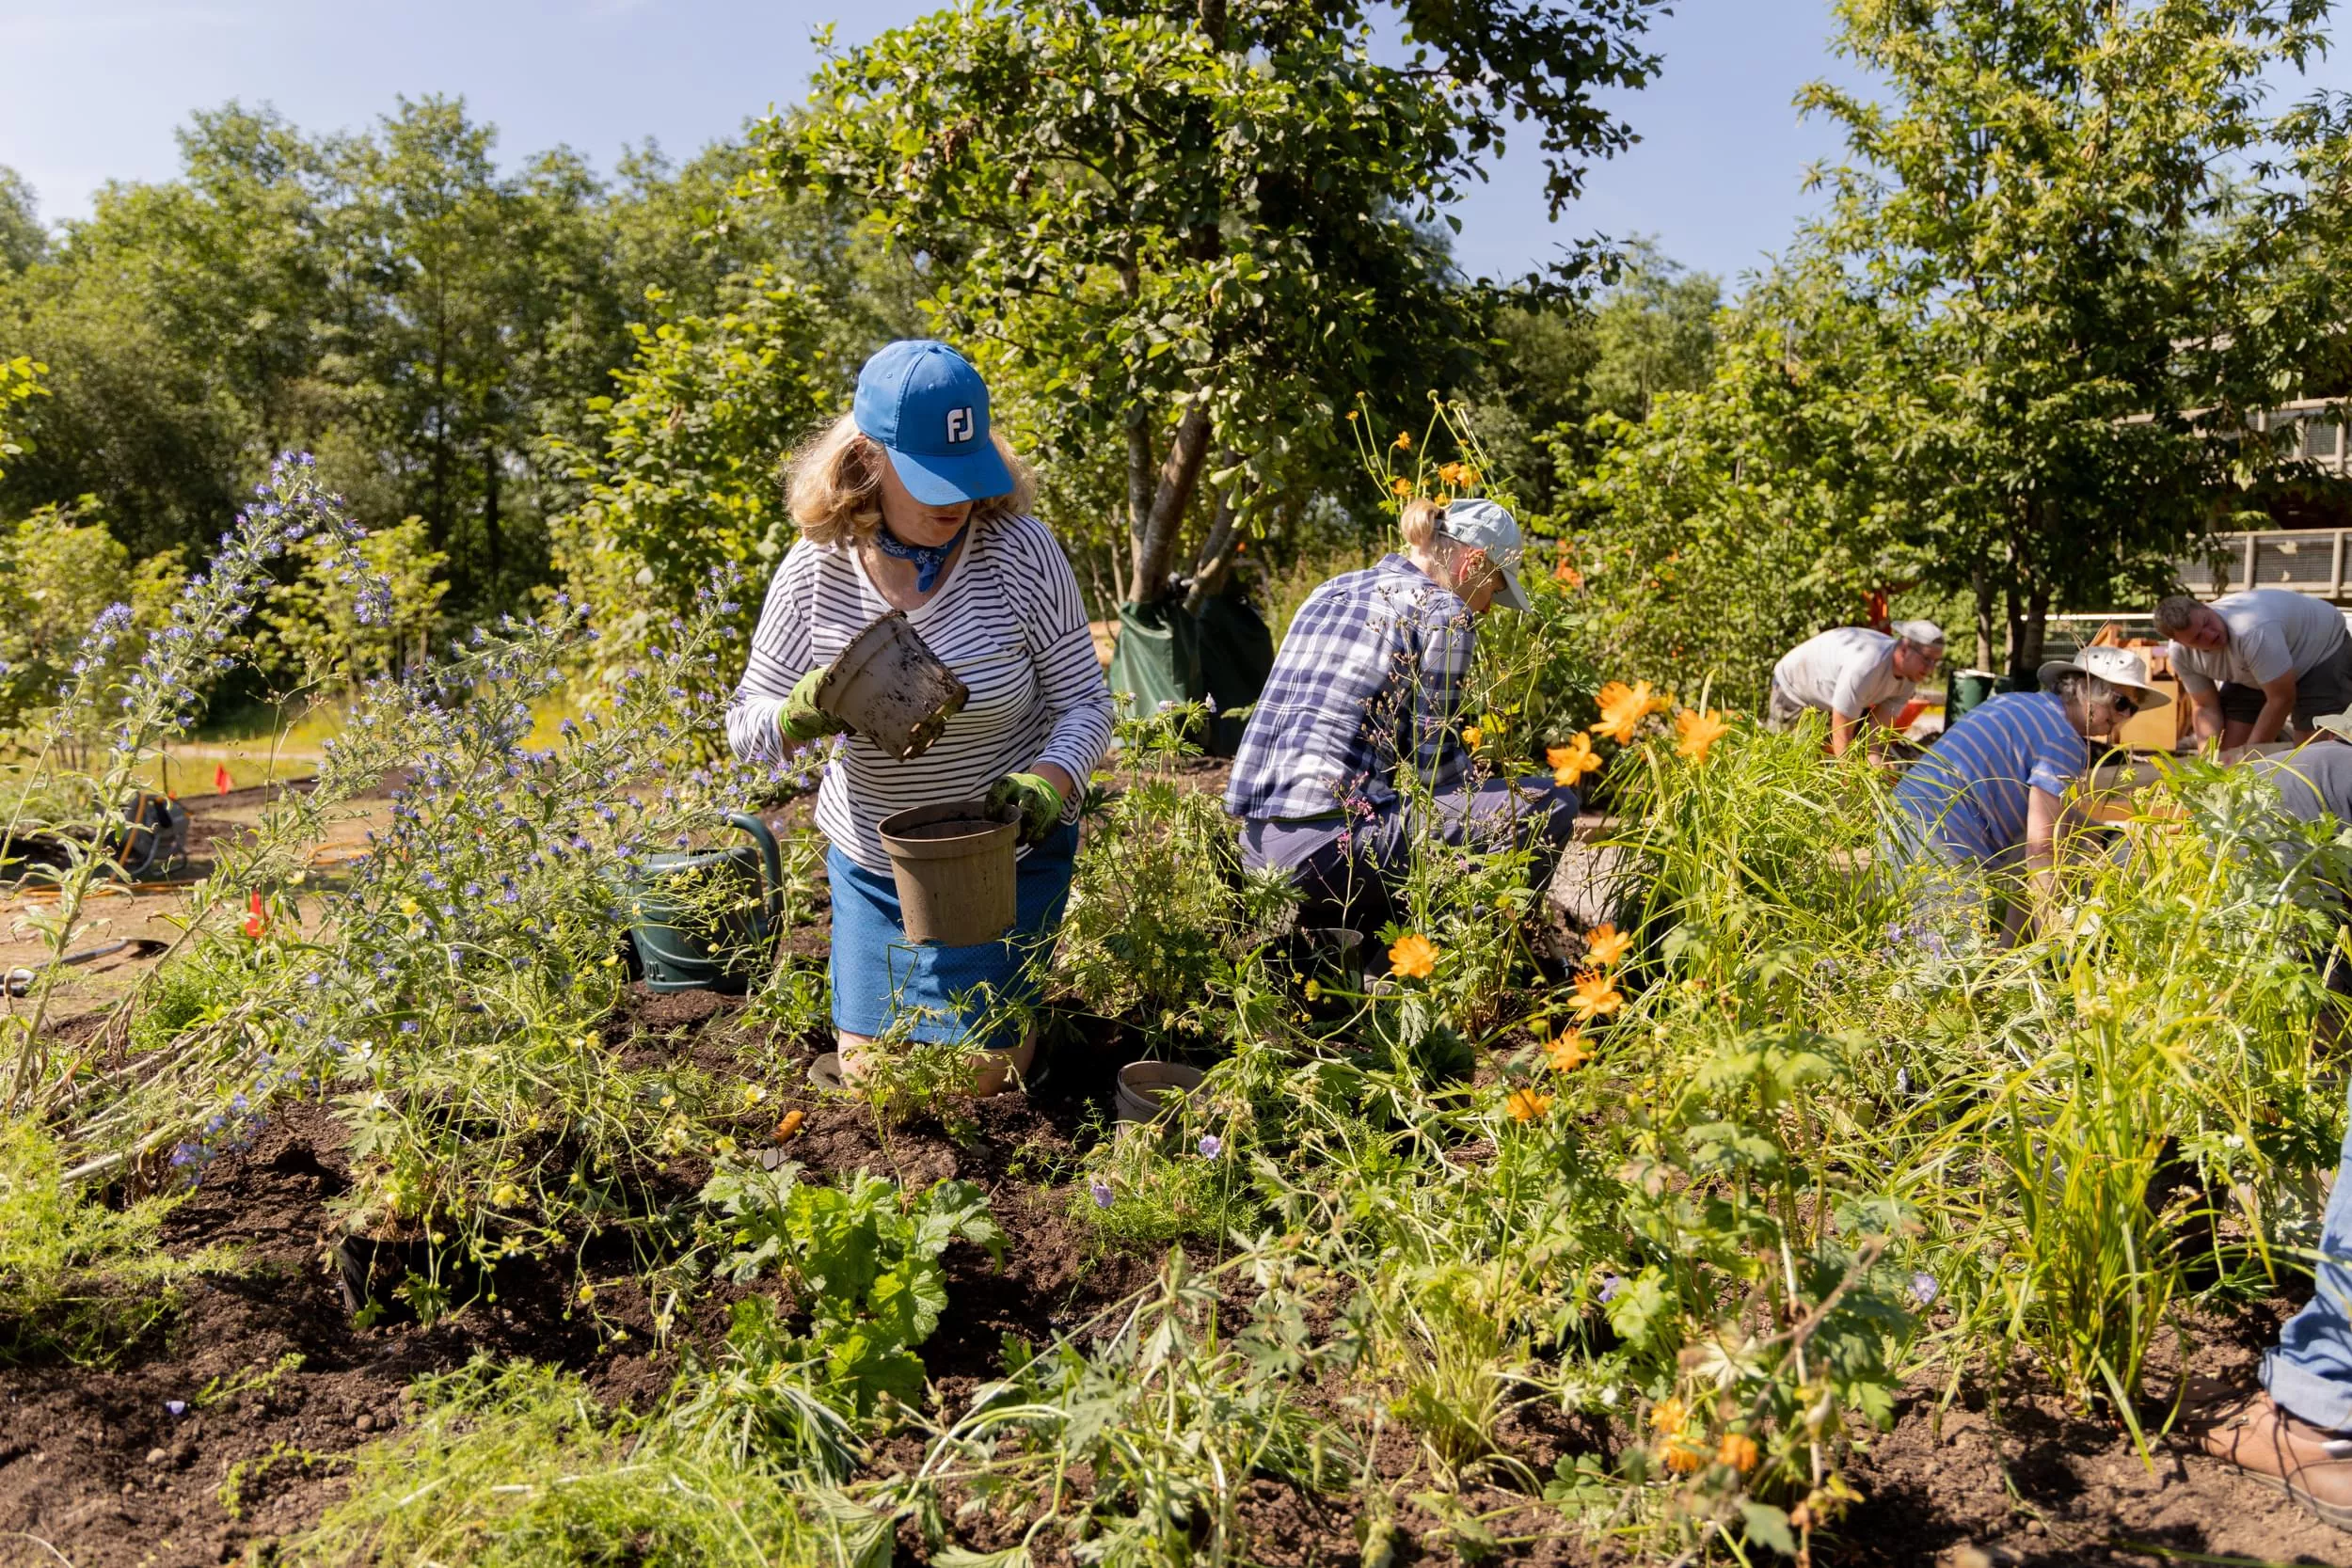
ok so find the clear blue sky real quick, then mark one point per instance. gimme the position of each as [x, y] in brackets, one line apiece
[94, 88]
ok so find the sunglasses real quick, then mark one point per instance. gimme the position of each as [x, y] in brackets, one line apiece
[2126, 706]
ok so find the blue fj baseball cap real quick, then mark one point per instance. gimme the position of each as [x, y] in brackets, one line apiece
[925, 405]
[1482, 524]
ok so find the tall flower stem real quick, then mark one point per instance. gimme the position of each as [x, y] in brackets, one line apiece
[157, 701]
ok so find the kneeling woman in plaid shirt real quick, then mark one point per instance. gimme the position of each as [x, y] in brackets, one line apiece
[1366, 687]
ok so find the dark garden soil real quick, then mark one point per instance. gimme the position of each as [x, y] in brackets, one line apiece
[278, 1382]
[94, 1464]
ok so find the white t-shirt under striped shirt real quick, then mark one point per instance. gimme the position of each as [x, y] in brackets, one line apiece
[1007, 618]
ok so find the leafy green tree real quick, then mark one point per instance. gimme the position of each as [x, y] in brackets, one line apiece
[23, 240]
[390, 301]
[19, 383]
[59, 569]
[486, 306]
[1555, 365]
[680, 477]
[1183, 235]
[2045, 203]
[1736, 519]
[313, 628]
[1653, 333]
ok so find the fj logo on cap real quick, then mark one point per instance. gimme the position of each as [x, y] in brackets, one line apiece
[958, 424]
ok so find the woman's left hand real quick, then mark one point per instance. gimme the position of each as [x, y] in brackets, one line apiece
[1038, 802]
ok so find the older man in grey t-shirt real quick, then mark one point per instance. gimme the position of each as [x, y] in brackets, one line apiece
[1852, 673]
[2252, 663]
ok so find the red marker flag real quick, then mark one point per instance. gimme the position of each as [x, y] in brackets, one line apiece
[220, 778]
[256, 923]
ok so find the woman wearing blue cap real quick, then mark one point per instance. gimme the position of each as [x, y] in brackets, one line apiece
[1367, 687]
[911, 503]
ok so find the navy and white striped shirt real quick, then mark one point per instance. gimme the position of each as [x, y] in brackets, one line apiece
[1970, 792]
[1007, 618]
[1369, 675]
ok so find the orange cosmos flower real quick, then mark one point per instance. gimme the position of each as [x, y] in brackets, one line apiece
[1596, 996]
[1404, 440]
[1413, 956]
[1471, 735]
[1738, 1450]
[1567, 1052]
[1606, 945]
[1669, 1415]
[1570, 763]
[1622, 708]
[1526, 1104]
[1682, 1458]
[1699, 731]
[1400, 485]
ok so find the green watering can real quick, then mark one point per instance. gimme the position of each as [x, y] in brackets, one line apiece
[706, 920]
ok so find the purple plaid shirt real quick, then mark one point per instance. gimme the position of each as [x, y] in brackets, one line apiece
[1368, 677]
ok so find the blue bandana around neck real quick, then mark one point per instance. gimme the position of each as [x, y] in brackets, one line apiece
[927, 559]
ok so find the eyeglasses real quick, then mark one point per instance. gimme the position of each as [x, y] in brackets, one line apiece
[2126, 706]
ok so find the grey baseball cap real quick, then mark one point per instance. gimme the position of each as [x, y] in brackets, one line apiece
[1926, 634]
[1484, 526]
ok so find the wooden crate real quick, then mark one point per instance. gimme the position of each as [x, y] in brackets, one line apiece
[2160, 729]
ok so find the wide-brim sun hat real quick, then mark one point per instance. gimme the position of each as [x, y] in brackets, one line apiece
[927, 407]
[1482, 524]
[2122, 667]
[2337, 724]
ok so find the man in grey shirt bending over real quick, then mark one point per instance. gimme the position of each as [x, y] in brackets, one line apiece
[2251, 662]
[1853, 674]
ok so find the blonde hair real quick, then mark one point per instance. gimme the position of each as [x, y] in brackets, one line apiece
[1420, 523]
[832, 487]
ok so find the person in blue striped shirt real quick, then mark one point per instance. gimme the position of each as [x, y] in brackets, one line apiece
[1990, 795]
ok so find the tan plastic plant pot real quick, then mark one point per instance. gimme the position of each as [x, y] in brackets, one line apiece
[954, 867]
[889, 687]
[1147, 1089]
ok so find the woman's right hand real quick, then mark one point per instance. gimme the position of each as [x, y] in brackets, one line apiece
[801, 720]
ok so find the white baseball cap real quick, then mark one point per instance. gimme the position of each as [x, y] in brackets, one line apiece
[2115, 666]
[1926, 634]
[1484, 526]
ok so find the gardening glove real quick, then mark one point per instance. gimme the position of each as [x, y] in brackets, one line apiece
[1040, 803]
[802, 719]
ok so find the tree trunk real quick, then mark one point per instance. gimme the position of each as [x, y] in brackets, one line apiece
[1179, 476]
[2033, 632]
[1140, 467]
[1216, 561]
[1982, 580]
[437, 519]
[2012, 623]
[490, 508]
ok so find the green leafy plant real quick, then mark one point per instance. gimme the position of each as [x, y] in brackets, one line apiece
[863, 1262]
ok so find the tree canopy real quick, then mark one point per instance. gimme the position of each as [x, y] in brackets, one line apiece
[1187, 234]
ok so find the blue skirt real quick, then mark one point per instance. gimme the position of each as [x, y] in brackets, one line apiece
[980, 994]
